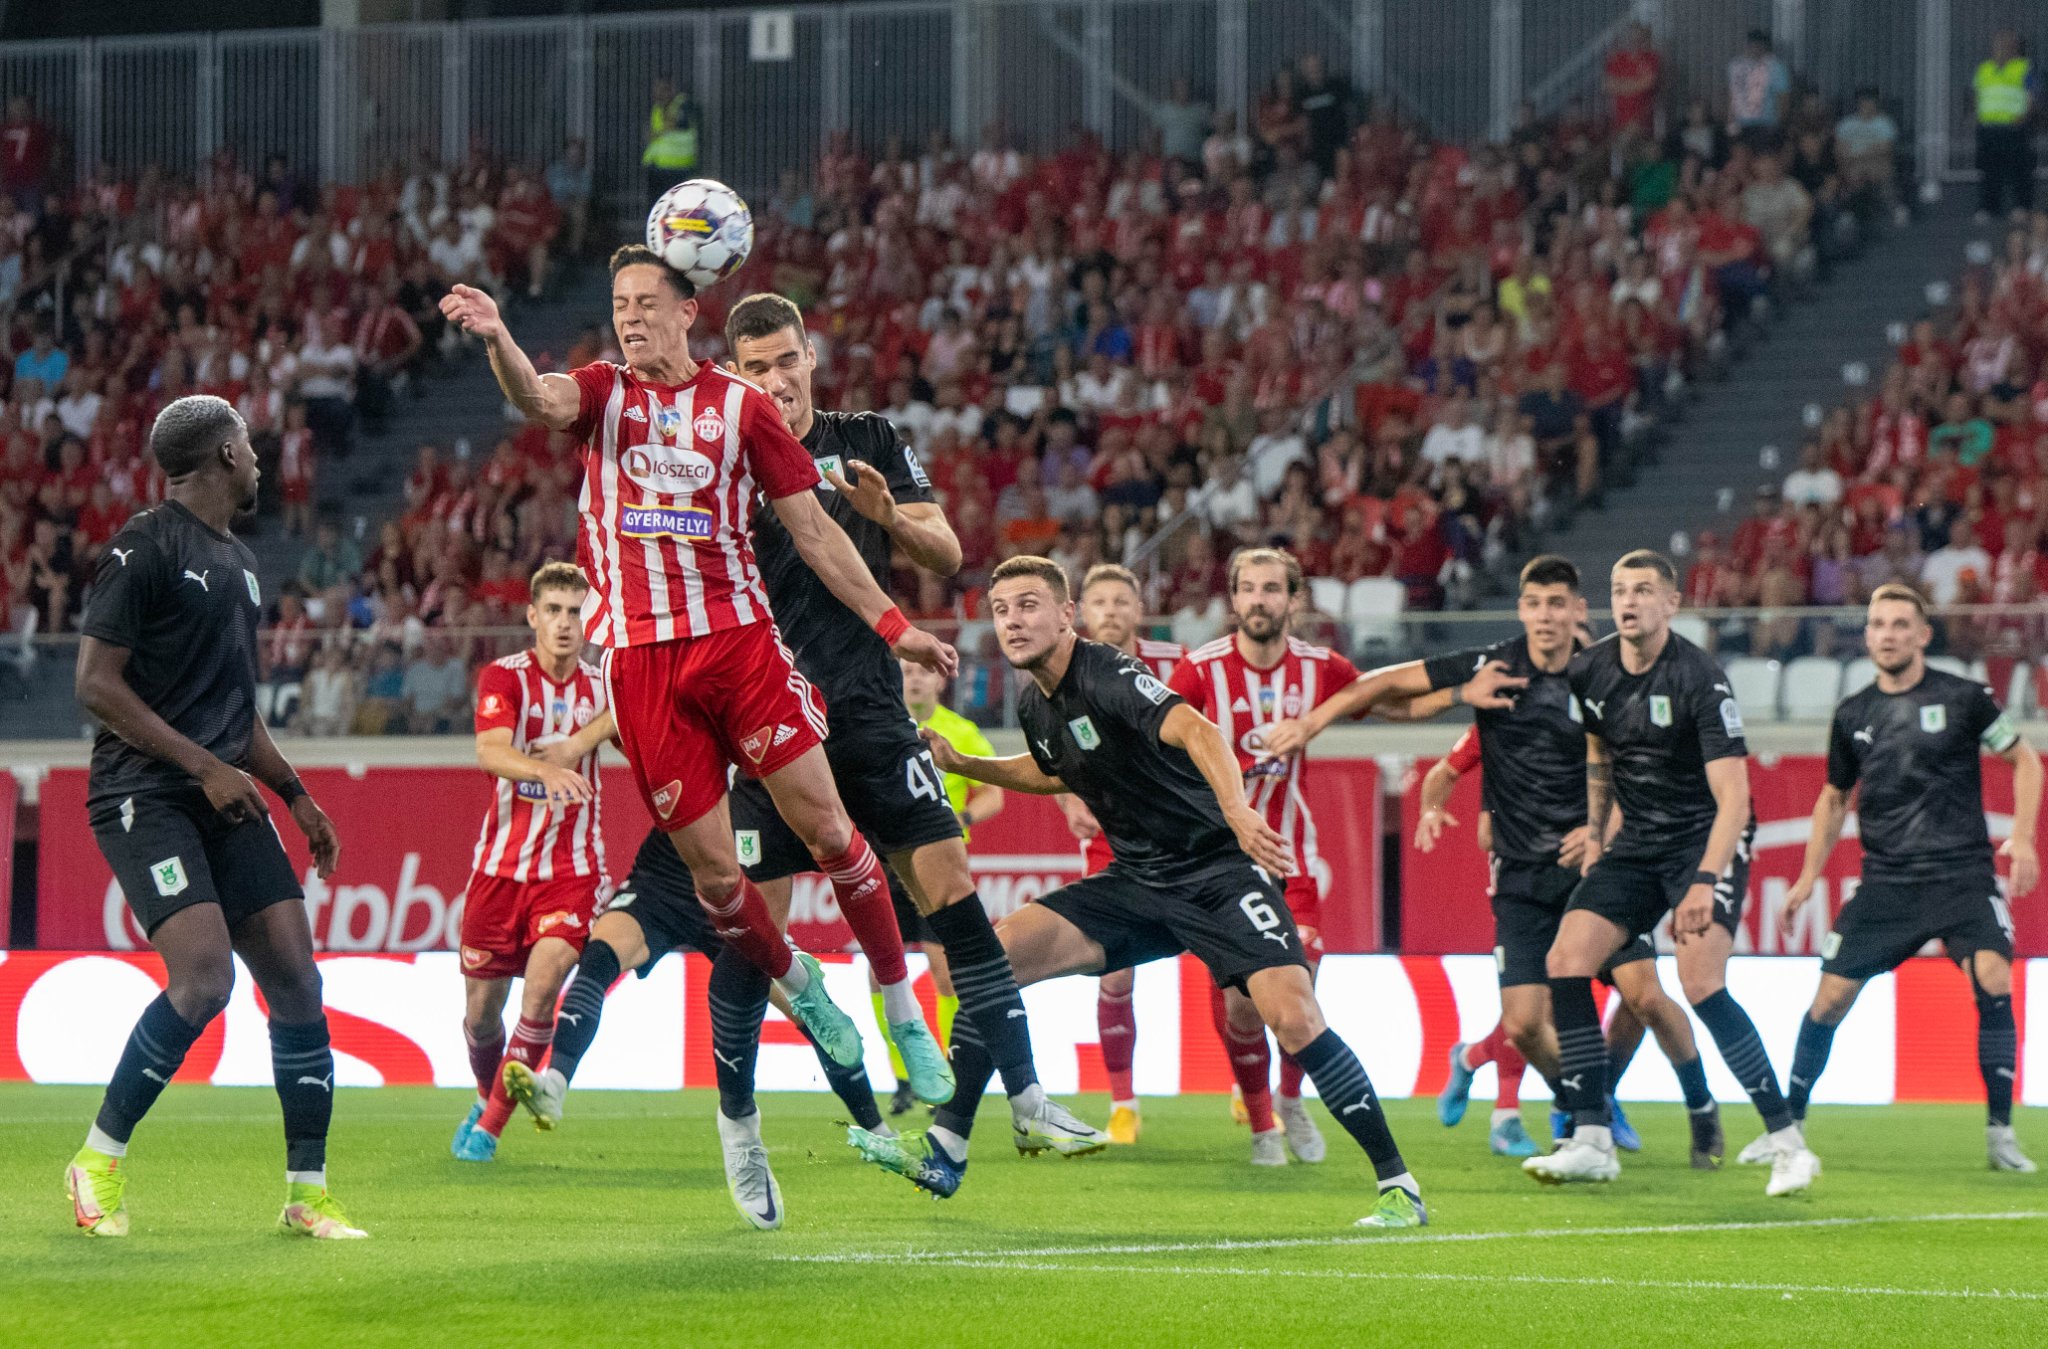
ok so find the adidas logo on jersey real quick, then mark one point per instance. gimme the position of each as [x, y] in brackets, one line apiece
[784, 734]
[665, 798]
[635, 414]
[1240, 705]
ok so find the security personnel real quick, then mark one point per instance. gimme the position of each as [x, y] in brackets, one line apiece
[2005, 87]
[671, 153]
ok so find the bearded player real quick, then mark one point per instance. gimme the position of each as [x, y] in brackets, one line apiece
[539, 865]
[674, 454]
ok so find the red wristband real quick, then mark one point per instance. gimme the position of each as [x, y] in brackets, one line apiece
[891, 626]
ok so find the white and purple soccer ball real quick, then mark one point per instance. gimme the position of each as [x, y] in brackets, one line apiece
[702, 229]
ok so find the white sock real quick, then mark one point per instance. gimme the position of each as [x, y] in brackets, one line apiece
[1282, 1101]
[98, 1141]
[796, 980]
[1131, 1104]
[1500, 1117]
[899, 1004]
[1789, 1138]
[315, 1178]
[954, 1144]
[1404, 1181]
[746, 1130]
[1597, 1135]
[1026, 1102]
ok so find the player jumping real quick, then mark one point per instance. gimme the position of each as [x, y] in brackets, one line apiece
[167, 665]
[1909, 746]
[539, 865]
[674, 453]
[1195, 871]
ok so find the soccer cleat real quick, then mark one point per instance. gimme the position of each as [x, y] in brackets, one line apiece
[465, 1129]
[1576, 1162]
[1625, 1136]
[818, 1014]
[2004, 1152]
[748, 1178]
[1560, 1127]
[1708, 1144]
[903, 1101]
[1304, 1140]
[931, 1077]
[1761, 1152]
[310, 1211]
[1239, 1114]
[541, 1093]
[1125, 1125]
[915, 1157]
[1396, 1208]
[95, 1183]
[1509, 1139]
[1269, 1148]
[1793, 1169]
[1457, 1092]
[1053, 1128]
[476, 1146]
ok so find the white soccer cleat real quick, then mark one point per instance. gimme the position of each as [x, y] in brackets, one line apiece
[1793, 1170]
[748, 1178]
[1269, 1148]
[1304, 1140]
[1761, 1152]
[1054, 1128]
[540, 1093]
[2004, 1150]
[1576, 1162]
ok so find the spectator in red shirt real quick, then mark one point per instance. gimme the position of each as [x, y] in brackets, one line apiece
[1630, 77]
[388, 345]
[24, 155]
[527, 223]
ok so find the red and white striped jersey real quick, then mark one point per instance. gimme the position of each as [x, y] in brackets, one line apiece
[1161, 658]
[523, 837]
[670, 473]
[1242, 699]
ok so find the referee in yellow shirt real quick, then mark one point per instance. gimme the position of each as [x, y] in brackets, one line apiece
[973, 802]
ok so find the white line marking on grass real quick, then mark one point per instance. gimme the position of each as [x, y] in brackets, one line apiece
[1427, 1238]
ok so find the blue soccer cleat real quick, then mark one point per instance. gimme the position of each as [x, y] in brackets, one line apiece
[1509, 1139]
[915, 1157]
[1560, 1125]
[1457, 1093]
[477, 1146]
[465, 1129]
[1625, 1136]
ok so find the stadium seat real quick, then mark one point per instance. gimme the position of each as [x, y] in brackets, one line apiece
[1812, 683]
[1193, 627]
[2018, 695]
[1373, 606]
[1326, 594]
[1858, 675]
[1755, 682]
[1694, 629]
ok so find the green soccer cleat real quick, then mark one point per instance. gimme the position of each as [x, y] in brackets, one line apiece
[310, 1211]
[912, 1156]
[931, 1077]
[1397, 1208]
[95, 1184]
[540, 1093]
[818, 1014]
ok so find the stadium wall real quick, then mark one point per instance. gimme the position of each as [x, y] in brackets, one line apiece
[397, 1020]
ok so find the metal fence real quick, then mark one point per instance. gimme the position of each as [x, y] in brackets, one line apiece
[348, 102]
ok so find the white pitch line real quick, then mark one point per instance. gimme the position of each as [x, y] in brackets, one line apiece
[1423, 1276]
[1287, 1243]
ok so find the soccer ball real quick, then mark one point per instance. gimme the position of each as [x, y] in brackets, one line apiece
[702, 229]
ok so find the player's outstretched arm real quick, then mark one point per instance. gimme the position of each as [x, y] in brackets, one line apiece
[1018, 772]
[1437, 785]
[496, 755]
[270, 766]
[572, 750]
[1830, 811]
[104, 691]
[551, 400]
[824, 546]
[1406, 685]
[2026, 796]
[1728, 780]
[1188, 730]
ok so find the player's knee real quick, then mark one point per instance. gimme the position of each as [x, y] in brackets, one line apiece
[830, 835]
[1649, 1003]
[1295, 1022]
[1522, 1031]
[1565, 963]
[296, 997]
[1990, 975]
[1701, 985]
[716, 883]
[201, 995]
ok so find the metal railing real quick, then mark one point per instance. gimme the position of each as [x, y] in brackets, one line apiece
[348, 102]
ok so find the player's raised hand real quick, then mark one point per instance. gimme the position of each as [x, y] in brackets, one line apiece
[2026, 867]
[868, 491]
[320, 836]
[921, 648]
[1492, 687]
[1260, 841]
[947, 758]
[1432, 823]
[563, 785]
[233, 793]
[1283, 738]
[475, 312]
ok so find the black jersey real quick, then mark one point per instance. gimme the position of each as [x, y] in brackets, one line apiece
[183, 601]
[1661, 728]
[1099, 734]
[1916, 755]
[1532, 755]
[837, 652]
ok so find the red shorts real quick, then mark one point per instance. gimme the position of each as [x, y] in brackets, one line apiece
[1095, 855]
[501, 920]
[296, 490]
[687, 708]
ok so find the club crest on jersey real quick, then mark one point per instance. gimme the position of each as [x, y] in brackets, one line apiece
[1266, 700]
[656, 522]
[669, 420]
[829, 464]
[747, 843]
[1934, 719]
[1660, 710]
[585, 710]
[1084, 733]
[169, 876]
[667, 470]
[709, 425]
[255, 591]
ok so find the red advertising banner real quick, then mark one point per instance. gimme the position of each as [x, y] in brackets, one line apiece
[10, 804]
[407, 834]
[1444, 906]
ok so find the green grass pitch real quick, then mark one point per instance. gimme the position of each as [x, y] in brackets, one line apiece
[617, 1230]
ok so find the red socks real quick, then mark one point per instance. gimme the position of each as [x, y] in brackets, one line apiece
[529, 1045]
[1117, 1032]
[484, 1058]
[743, 919]
[863, 893]
[1251, 1063]
[1500, 1051]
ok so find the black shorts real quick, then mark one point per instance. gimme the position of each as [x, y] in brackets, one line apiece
[171, 850]
[1887, 921]
[1635, 894]
[1229, 916]
[1529, 900]
[892, 790]
[659, 895]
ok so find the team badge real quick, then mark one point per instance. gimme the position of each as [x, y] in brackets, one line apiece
[1154, 691]
[255, 591]
[1266, 703]
[169, 876]
[747, 842]
[1660, 710]
[1084, 733]
[709, 425]
[1934, 719]
[916, 467]
[829, 464]
[668, 419]
[584, 711]
[1731, 717]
